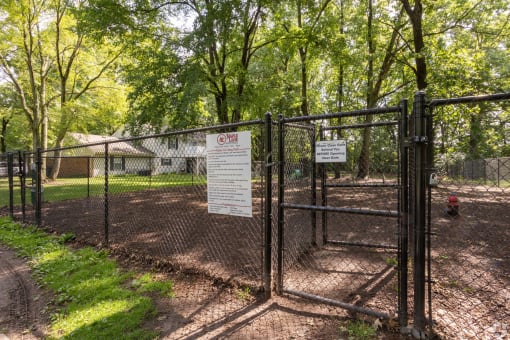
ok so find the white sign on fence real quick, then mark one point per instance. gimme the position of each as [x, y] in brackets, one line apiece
[229, 173]
[331, 151]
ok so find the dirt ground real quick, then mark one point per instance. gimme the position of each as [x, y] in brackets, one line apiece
[213, 259]
[201, 309]
[23, 313]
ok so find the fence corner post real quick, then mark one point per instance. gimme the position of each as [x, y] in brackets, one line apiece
[268, 201]
[420, 143]
[10, 175]
[281, 193]
[106, 203]
[403, 239]
[38, 187]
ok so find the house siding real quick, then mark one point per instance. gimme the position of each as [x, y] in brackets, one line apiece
[180, 156]
[72, 167]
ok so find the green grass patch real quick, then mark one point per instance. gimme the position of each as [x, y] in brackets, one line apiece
[73, 188]
[91, 301]
[149, 283]
[358, 330]
[244, 294]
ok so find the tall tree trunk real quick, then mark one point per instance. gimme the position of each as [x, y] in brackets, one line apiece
[302, 56]
[340, 91]
[304, 82]
[3, 146]
[364, 157]
[44, 130]
[415, 14]
[250, 25]
[374, 84]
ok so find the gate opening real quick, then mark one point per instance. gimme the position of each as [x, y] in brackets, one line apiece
[354, 259]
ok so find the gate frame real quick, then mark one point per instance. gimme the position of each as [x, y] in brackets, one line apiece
[401, 214]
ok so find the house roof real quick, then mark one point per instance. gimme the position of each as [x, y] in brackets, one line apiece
[116, 145]
[123, 132]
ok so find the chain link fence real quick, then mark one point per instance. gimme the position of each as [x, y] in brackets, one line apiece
[147, 197]
[337, 234]
[469, 257]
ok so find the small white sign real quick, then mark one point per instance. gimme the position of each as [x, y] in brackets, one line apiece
[229, 173]
[331, 151]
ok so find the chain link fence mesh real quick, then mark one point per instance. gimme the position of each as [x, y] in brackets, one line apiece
[470, 257]
[147, 197]
[349, 257]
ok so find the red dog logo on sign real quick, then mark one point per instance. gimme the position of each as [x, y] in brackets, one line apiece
[221, 139]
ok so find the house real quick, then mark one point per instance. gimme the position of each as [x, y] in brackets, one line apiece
[89, 160]
[182, 153]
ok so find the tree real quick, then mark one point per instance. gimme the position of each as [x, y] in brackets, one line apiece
[301, 22]
[52, 66]
[26, 63]
[415, 14]
[375, 80]
[78, 72]
[12, 129]
[469, 43]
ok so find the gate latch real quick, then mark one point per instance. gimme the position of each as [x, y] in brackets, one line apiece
[433, 180]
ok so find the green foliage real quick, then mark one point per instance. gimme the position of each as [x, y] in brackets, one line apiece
[90, 300]
[66, 237]
[244, 294]
[150, 283]
[358, 330]
[198, 63]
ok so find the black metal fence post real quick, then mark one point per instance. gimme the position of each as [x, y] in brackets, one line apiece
[420, 140]
[38, 187]
[430, 170]
[10, 174]
[313, 184]
[268, 215]
[324, 200]
[403, 238]
[281, 192]
[106, 203]
[88, 177]
[23, 171]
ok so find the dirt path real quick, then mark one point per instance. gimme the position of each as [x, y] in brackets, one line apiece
[21, 301]
[201, 309]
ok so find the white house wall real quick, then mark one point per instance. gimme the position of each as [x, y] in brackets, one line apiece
[184, 151]
[132, 166]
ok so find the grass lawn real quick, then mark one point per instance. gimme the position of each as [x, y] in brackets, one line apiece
[71, 188]
[94, 299]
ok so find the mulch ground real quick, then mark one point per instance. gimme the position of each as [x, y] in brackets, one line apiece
[214, 257]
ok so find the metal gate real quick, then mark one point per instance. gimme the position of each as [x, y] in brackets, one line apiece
[342, 227]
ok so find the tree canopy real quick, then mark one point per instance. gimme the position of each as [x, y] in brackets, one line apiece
[92, 66]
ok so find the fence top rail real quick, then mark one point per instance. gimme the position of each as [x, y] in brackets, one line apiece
[302, 126]
[355, 113]
[360, 126]
[470, 99]
[159, 135]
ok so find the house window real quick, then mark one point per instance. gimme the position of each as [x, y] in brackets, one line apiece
[173, 143]
[166, 161]
[117, 163]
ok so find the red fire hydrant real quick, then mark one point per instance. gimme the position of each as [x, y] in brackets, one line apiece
[452, 208]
